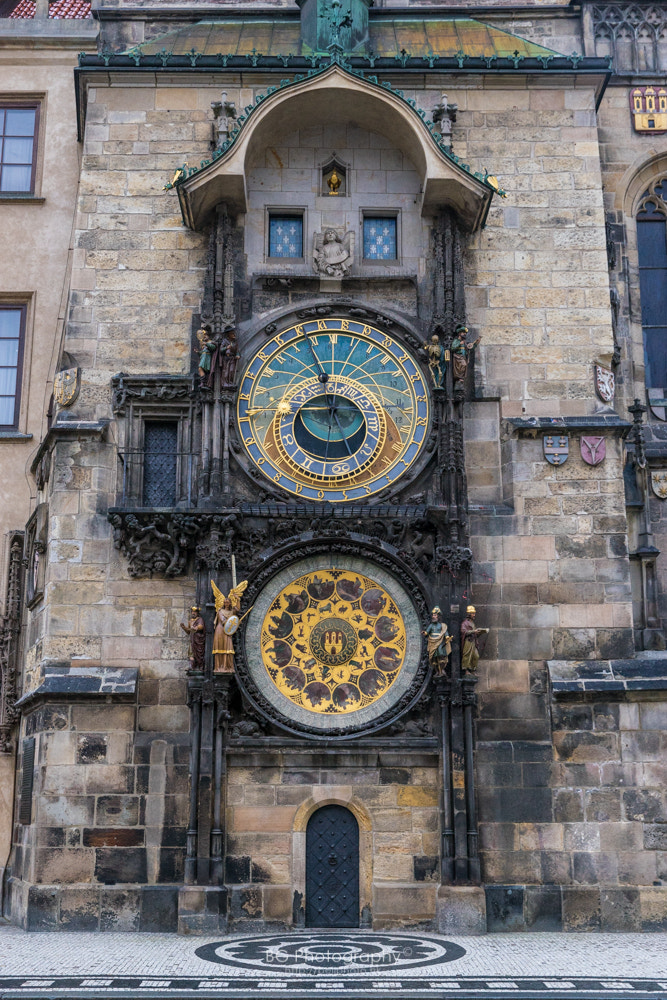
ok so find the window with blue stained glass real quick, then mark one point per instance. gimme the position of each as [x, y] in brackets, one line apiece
[285, 236]
[652, 250]
[380, 238]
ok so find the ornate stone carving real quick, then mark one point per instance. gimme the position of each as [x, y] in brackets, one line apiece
[453, 558]
[10, 628]
[634, 34]
[147, 389]
[154, 544]
[333, 252]
[605, 383]
[444, 115]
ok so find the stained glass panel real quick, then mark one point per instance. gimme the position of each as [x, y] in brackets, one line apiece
[286, 236]
[380, 238]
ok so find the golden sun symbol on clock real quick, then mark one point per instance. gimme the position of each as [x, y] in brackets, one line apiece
[333, 410]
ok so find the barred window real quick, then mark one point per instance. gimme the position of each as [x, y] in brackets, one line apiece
[652, 250]
[160, 461]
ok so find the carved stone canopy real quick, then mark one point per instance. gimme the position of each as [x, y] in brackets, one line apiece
[336, 96]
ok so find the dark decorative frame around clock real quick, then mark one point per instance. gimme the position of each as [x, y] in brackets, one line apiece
[333, 547]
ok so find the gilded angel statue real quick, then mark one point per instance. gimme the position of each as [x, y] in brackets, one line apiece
[333, 252]
[227, 622]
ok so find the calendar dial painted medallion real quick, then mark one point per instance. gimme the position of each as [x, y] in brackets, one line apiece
[333, 409]
[332, 644]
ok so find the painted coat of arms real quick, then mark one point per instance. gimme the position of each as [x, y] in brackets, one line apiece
[66, 386]
[649, 109]
[657, 400]
[605, 383]
[556, 448]
[659, 483]
[593, 450]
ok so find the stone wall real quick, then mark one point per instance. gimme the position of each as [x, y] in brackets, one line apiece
[551, 577]
[395, 799]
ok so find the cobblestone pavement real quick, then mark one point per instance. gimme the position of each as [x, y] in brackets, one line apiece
[340, 964]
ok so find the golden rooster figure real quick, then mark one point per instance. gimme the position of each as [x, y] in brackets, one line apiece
[226, 624]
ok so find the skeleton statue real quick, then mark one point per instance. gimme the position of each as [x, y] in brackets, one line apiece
[437, 360]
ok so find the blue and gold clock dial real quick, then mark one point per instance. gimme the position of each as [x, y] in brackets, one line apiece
[333, 409]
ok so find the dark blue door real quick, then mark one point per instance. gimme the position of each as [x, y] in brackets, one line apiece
[332, 868]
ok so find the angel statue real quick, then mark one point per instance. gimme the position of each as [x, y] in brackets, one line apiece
[227, 622]
[333, 253]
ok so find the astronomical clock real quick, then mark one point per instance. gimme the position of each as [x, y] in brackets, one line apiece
[333, 410]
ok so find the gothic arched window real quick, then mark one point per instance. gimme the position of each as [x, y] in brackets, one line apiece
[652, 250]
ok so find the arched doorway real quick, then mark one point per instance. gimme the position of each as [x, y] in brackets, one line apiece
[332, 868]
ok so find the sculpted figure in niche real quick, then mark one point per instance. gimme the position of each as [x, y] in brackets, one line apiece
[460, 351]
[229, 357]
[437, 360]
[226, 624]
[470, 641]
[438, 641]
[196, 631]
[333, 252]
[206, 352]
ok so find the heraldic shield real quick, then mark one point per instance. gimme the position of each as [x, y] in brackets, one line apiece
[556, 448]
[605, 383]
[593, 450]
[66, 386]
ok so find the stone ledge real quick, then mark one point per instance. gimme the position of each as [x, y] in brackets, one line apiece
[64, 428]
[88, 681]
[610, 422]
[644, 673]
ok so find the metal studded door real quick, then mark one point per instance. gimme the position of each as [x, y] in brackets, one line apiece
[332, 868]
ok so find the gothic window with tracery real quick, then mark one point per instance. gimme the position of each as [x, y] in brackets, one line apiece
[652, 251]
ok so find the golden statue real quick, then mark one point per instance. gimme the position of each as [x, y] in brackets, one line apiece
[226, 624]
[333, 183]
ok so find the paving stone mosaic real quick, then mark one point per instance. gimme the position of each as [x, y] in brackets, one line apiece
[332, 964]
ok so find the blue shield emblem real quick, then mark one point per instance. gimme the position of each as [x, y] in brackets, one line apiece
[556, 448]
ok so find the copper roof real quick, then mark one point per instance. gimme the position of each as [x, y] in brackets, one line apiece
[417, 36]
[58, 9]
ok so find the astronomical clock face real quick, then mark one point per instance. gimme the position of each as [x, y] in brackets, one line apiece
[333, 642]
[333, 410]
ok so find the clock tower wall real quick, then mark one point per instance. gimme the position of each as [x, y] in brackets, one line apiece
[328, 245]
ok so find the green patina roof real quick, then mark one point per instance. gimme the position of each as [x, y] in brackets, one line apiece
[387, 38]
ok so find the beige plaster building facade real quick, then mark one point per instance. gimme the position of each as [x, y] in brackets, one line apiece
[360, 297]
[37, 202]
